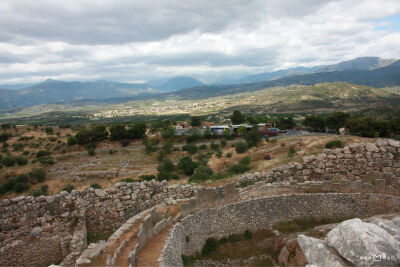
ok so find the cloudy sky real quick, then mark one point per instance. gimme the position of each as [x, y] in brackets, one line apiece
[132, 40]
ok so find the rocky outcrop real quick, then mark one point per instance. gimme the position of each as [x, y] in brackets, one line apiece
[318, 252]
[354, 242]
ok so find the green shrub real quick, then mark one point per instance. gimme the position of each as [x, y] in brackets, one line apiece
[128, 180]
[245, 160]
[238, 168]
[49, 130]
[95, 186]
[2, 190]
[201, 173]
[18, 146]
[21, 187]
[21, 161]
[161, 155]
[248, 234]
[210, 246]
[8, 161]
[38, 174]
[25, 153]
[46, 160]
[223, 143]
[334, 144]
[91, 151]
[38, 192]
[71, 141]
[187, 165]
[68, 188]
[167, 165]
[229, 155]
[4, 137]
[253, 138]
[22, 178]
[291, 152]
[190, 148]
[241, 147]
[42, 153]
[203, 147]
[219, 154]
[164, 175]
[214, 146]
[9, 184]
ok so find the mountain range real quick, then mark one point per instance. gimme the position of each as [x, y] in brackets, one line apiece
[370, 71]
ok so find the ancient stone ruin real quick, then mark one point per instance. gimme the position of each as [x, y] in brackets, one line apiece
[356, 181]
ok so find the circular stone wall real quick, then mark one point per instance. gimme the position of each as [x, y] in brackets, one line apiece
[261, 213]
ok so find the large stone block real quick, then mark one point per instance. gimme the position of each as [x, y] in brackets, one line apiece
[380, 185]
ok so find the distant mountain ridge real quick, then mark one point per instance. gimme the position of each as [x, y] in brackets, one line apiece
[381, 77]
[369, 71]
[361, 63]
[54, 91]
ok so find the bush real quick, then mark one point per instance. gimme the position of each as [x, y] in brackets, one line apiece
[193, 135]
[253, 138]
[166, 165]
[164, 175]
[239, 168]
[49, 130]
[219, 154]
[187, 165]
[210, 246]
[267, 156]
[203, 147]
[248, 234]
[223, 143]
[245, 161]
[21, 187]
[42, 153]
[201, 173]
[110, 151]
[68, 188]
[214, 146]
[46, 160]
[18, 146]
[22, 178]
[241, 147]
[91, 151]
[21, 161]
[190, 148]
[4, 137]
[167, 147]
[95, 186]
[38, 174]
[291, 152]
[9, 184]
[334, 144]
[229, 155]
[2, 190]
[41, 192]
[195, 121]
[8, 161]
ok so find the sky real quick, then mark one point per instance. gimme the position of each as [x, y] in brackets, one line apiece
[138, 40]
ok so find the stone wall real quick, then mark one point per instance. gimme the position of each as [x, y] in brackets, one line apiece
[32, 228]
[28, 222]
[188, 236]
[365, 161]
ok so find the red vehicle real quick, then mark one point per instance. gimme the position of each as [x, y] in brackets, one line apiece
[268, 132]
